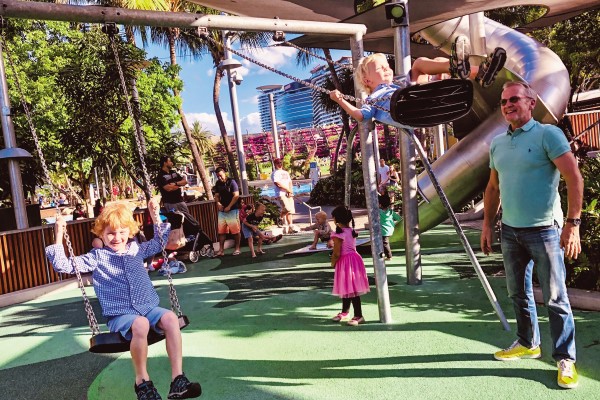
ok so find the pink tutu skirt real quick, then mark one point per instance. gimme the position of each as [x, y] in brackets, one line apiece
[350, 277]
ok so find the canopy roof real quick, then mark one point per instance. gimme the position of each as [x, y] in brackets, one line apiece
[422, 13]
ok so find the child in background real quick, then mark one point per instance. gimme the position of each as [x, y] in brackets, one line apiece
[350, 277]
[388, 219]
[322, 230]
[250, 229]
[125, 292]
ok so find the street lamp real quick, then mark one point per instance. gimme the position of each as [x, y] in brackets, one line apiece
[234, 78]
[269, 89]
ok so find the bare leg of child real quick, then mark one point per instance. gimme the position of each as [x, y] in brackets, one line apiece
[139, 348]
[330, 244]
[259, 249]
[423, 67]
[169, 323]
[313, 246]
[251, 246]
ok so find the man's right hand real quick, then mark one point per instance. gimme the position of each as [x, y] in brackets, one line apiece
[486, 240]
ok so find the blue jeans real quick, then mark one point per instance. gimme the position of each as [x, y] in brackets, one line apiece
[522, 248]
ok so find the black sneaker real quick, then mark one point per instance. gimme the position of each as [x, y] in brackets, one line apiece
[182, 388]
[146, 391]
[459, 57]
[490, 67]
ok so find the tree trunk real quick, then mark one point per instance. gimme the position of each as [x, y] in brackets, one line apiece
[388, 140]
[137, 113]
[198, 161]
[226, 143]
[348, 172]
[346, 125]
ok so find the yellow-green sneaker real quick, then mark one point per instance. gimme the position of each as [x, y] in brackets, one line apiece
[517, 351]
[568, 377]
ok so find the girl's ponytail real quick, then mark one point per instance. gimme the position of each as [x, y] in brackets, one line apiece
[354, 234]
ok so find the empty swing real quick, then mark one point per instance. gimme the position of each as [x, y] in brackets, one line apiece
[100, 342]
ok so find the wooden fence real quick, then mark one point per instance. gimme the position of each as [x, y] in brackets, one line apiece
[23, 262]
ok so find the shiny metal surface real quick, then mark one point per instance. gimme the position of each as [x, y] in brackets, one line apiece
[463, 170]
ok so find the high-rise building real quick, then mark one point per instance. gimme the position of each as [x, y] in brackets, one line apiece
[296, 105]
[318, 77]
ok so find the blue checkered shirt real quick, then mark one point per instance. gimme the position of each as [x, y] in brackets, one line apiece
[121, 282]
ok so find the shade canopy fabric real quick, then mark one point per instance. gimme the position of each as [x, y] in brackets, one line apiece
[422, 14]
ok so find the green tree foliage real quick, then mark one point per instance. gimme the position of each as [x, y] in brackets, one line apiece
[71, 85]
[576, 41]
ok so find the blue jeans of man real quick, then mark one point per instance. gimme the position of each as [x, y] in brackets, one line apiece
[522, 249]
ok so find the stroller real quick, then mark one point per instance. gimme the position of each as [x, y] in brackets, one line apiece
[197, 242]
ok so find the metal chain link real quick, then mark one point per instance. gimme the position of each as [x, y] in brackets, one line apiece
[92, 321]
[175, 306]
[372, 103]
[310, 53]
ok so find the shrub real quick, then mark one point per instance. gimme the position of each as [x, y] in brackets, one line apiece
[584, 273]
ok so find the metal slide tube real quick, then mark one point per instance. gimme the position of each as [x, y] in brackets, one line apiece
[463, 170]
[94, 14]
[461, 234]
[368, 165]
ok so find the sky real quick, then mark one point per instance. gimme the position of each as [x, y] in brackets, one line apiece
[198, 77]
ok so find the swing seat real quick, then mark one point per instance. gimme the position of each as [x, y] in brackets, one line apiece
[113, 342]
[432, 103]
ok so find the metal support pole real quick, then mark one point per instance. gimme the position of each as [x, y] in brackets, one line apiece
[236, 120]
[410, 205]
[368, 165]
[438, 141]
[444, 200]
[274, 125]
[10, 141]
[477, 34]
[76, 13]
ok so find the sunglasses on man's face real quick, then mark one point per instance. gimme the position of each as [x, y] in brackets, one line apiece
[512, 99]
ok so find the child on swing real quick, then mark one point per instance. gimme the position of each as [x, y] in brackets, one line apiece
[376, 78]
[350, 277]
[125, 292]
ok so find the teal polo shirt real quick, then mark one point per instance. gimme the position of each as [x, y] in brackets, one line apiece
[528, 177]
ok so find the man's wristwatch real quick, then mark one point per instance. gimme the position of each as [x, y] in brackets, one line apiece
[574, 221]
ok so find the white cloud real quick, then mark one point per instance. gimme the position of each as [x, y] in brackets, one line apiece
[276, 57]
[209, 122]
[248, 124]
[251, 123]
[251, 100]
[210, 72]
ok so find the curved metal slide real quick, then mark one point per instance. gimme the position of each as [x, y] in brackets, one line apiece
[463, 170]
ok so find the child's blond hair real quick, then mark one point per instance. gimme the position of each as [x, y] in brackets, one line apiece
[321, 214]
[362, 69]
[116, 214]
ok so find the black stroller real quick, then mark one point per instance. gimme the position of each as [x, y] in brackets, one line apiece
[197, 242]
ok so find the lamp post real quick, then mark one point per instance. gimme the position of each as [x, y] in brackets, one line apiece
[229, 64]
[269, 89]
[11, 153]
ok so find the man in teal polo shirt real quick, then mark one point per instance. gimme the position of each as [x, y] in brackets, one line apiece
[526, 164]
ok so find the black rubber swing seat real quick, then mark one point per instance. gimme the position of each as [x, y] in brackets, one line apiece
[113, 342]
[432, 103]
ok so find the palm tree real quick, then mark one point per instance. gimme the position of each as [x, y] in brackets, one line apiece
[205, 147]
[214, 47]
[304, 59]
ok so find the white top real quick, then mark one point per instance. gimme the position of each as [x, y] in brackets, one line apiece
[384, 173]
[283, 178]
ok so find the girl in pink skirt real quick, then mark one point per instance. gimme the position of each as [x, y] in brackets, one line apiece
[350, 277]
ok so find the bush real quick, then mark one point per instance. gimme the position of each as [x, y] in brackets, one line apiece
[330, 190]
[584, 273]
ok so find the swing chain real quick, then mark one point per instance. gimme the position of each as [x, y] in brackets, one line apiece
[175, 306]
[202, 32]
[93, 323]
[349, 67]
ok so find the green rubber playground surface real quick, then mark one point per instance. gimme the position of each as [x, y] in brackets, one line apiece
[260, 329]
